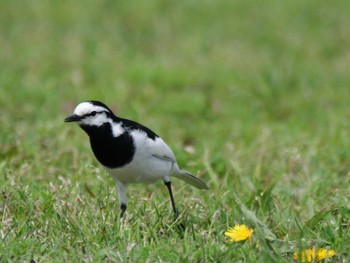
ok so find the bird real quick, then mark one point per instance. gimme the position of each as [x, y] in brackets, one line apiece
[130, 152]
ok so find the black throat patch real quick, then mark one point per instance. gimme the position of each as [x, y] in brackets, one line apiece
[112, 152]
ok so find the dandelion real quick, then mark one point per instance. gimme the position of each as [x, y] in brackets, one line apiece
[239, 233]
[305, 256]
[324, 253]
[311, 254]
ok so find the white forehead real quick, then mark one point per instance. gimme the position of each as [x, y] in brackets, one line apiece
[86, 108]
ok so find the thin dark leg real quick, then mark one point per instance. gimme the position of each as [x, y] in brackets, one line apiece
[176, 212]
[123, 208]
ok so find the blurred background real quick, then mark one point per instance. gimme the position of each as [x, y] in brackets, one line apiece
[223, 71]
[255, 94]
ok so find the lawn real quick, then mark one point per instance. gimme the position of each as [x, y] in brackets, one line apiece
[252, 97]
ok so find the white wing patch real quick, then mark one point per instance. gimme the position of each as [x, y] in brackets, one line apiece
[163, 157]
[157, 148]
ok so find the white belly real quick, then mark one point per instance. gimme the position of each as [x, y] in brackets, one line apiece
[141, 171]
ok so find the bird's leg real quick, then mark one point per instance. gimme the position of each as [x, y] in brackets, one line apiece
[122, 197]
[168, 185]
[122, 208]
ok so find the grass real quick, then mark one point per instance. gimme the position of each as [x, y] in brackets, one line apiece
[252, 96]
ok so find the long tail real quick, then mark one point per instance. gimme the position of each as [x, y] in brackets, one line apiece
[192, 180]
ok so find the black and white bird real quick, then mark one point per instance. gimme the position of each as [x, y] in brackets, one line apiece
[130, 152]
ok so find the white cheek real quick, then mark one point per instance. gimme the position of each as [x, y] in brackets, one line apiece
[117, 129]
[95, 120]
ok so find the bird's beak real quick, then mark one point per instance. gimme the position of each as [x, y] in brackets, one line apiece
[72, 118]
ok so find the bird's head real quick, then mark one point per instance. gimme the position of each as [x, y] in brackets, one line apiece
[91, 113]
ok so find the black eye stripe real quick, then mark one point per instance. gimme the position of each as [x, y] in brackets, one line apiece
[94, 113]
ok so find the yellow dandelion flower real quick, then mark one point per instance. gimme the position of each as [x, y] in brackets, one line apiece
[305, 256]
[239, 233]
[311, 254]
[324, 253]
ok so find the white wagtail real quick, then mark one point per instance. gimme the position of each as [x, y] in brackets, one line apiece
[129, 151]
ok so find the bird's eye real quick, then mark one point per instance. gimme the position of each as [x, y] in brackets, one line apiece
[93, 113]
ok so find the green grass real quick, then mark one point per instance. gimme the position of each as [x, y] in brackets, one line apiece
[258, 94]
